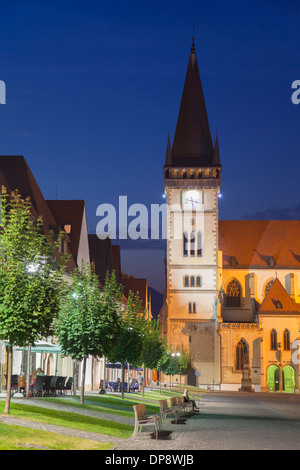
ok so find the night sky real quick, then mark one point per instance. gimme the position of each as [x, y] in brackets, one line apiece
[94, 87]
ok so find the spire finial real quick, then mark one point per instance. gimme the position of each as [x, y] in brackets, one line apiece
[193, 38]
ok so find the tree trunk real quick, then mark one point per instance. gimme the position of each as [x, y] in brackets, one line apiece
[9, 373]
[123, 377]
[144, 379]
[83, 380]
[159, 381]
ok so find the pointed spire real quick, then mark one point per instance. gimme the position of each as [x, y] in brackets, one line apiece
[192, 141]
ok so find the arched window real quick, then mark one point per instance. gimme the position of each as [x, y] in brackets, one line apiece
[185, 244]
[241, 352]
[233, 294]
[193, 244]
[273, 340]
[190, 307]
[198, 281]
[192, 281]
[194, 307]
[268, 286]
[286, 340]
[186, 281]
[200, 241]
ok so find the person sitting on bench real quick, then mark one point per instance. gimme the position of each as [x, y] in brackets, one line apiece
[186, 398]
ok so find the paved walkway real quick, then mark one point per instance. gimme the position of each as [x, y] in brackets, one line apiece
[226, 421]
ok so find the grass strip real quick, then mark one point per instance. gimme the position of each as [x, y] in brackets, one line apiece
[18, 438]
[69, 420]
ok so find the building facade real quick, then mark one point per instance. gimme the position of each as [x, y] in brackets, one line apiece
[232, 289]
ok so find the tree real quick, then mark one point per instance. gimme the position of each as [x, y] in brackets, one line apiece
[31, 276]
[153, 346]
[131, 328]
[88, 319]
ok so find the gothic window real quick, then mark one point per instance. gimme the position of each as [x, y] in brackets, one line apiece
[241, 351]
[192, 281]
[273, 340]
[198, 281]
[186, 281]
[190, 307]
[233, 294]
[286, 340]
[278, 304]
[194, 307]
[268, 286]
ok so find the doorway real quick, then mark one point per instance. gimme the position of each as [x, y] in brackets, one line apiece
[288, 379]
[273, 378]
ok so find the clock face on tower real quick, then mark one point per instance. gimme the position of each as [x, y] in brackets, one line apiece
[191, 199]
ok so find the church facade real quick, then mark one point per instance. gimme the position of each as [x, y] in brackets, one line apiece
[232, 291]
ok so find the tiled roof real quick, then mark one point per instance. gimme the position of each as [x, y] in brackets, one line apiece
[278, 301]
[261, 243]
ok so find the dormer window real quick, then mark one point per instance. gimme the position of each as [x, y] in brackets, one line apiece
[68, 228]
[271, 261]
[233, 261]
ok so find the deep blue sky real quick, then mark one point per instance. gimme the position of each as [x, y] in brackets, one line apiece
[93, 87]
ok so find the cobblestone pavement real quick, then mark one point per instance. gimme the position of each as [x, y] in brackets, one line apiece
[226, 421]
[231, 421]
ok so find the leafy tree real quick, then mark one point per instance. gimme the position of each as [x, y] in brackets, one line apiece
[132, 325]
[31, 276]
[153, 346]
[89, 317]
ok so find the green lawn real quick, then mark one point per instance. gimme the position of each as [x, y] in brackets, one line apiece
[19, 438]
[69, 420]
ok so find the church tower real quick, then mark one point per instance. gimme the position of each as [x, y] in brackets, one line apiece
[191, 312]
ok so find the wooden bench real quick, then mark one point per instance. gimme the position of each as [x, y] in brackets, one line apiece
[165, 410]
[141, 420]
[187, 405]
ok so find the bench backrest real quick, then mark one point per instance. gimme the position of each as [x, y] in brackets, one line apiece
[163, 405]
[173, 401]
[139, 411]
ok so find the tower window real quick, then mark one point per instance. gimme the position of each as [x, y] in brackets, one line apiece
[198, 281]
[193, 244]
[185, 244]
[186, 281]
[194, 307]
[199, 249]
[192, 282]
[190, 307]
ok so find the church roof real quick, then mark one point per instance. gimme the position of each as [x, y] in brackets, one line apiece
[278, 301]
[261, 243]
[192, 145]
